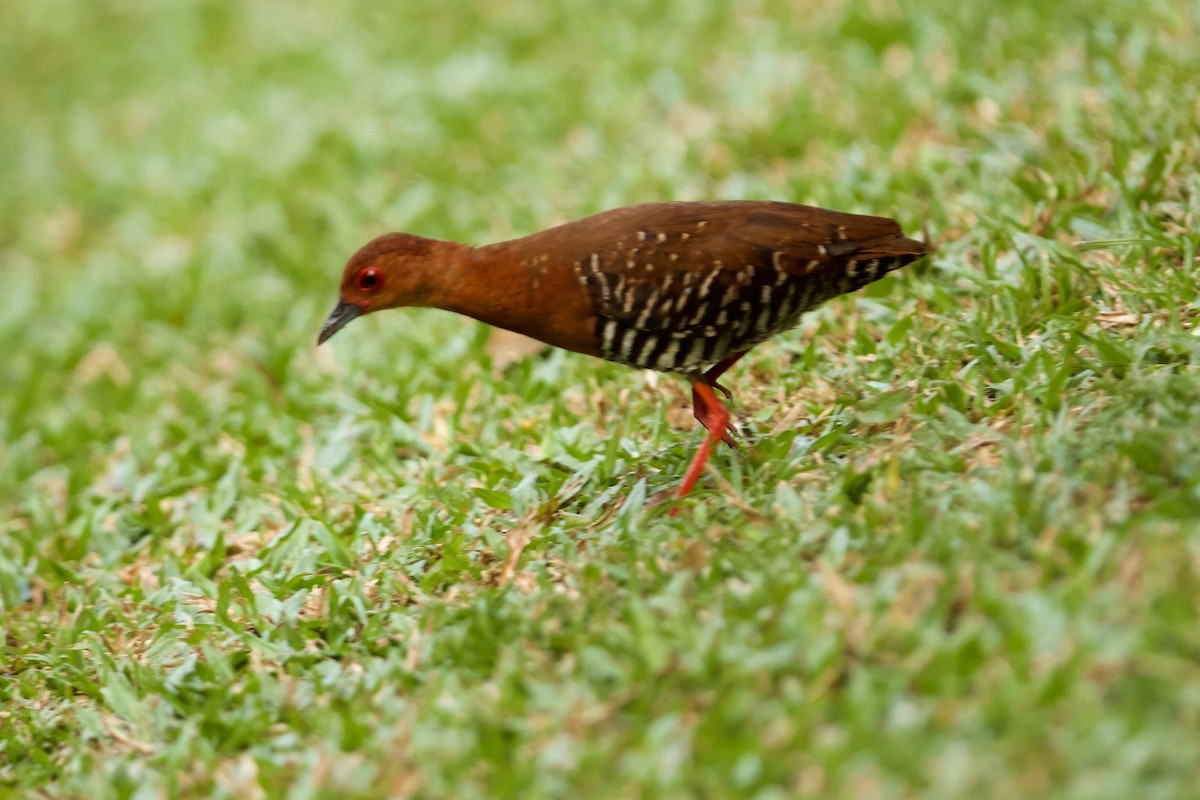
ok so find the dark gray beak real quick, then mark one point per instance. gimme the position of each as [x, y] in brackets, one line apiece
[342, 314]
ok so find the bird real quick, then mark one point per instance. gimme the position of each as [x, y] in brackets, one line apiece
[679, 287]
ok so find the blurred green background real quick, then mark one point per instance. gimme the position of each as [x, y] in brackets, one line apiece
[957, 555]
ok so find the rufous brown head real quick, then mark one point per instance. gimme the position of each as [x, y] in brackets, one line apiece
[387, 272]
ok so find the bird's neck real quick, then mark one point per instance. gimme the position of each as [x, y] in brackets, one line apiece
[508, 285]
[492, 284]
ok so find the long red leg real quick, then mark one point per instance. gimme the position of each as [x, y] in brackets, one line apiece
[714, 416]
[716, 420]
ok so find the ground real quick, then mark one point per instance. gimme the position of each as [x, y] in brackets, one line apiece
[958, 553]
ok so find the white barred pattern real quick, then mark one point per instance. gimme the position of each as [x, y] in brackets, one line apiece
[683, 320]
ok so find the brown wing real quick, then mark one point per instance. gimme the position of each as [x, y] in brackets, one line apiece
[675, 285]
[666, 248]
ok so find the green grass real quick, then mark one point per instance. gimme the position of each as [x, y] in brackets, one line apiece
[957, 556]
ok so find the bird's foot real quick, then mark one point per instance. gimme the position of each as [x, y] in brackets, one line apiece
[716, 419]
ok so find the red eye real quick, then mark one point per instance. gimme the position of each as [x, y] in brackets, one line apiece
[369, 279]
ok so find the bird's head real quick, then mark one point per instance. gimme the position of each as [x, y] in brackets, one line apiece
[388, 272]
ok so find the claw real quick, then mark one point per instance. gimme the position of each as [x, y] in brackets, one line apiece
[727, 437]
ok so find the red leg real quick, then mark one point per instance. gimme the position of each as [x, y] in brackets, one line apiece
[716, 419]
[704, 411]
[714, 416]
[700, 405]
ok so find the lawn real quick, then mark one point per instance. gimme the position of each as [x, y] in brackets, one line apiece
[958, 552]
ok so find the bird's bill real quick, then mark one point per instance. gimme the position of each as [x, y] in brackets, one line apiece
[341, 315]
